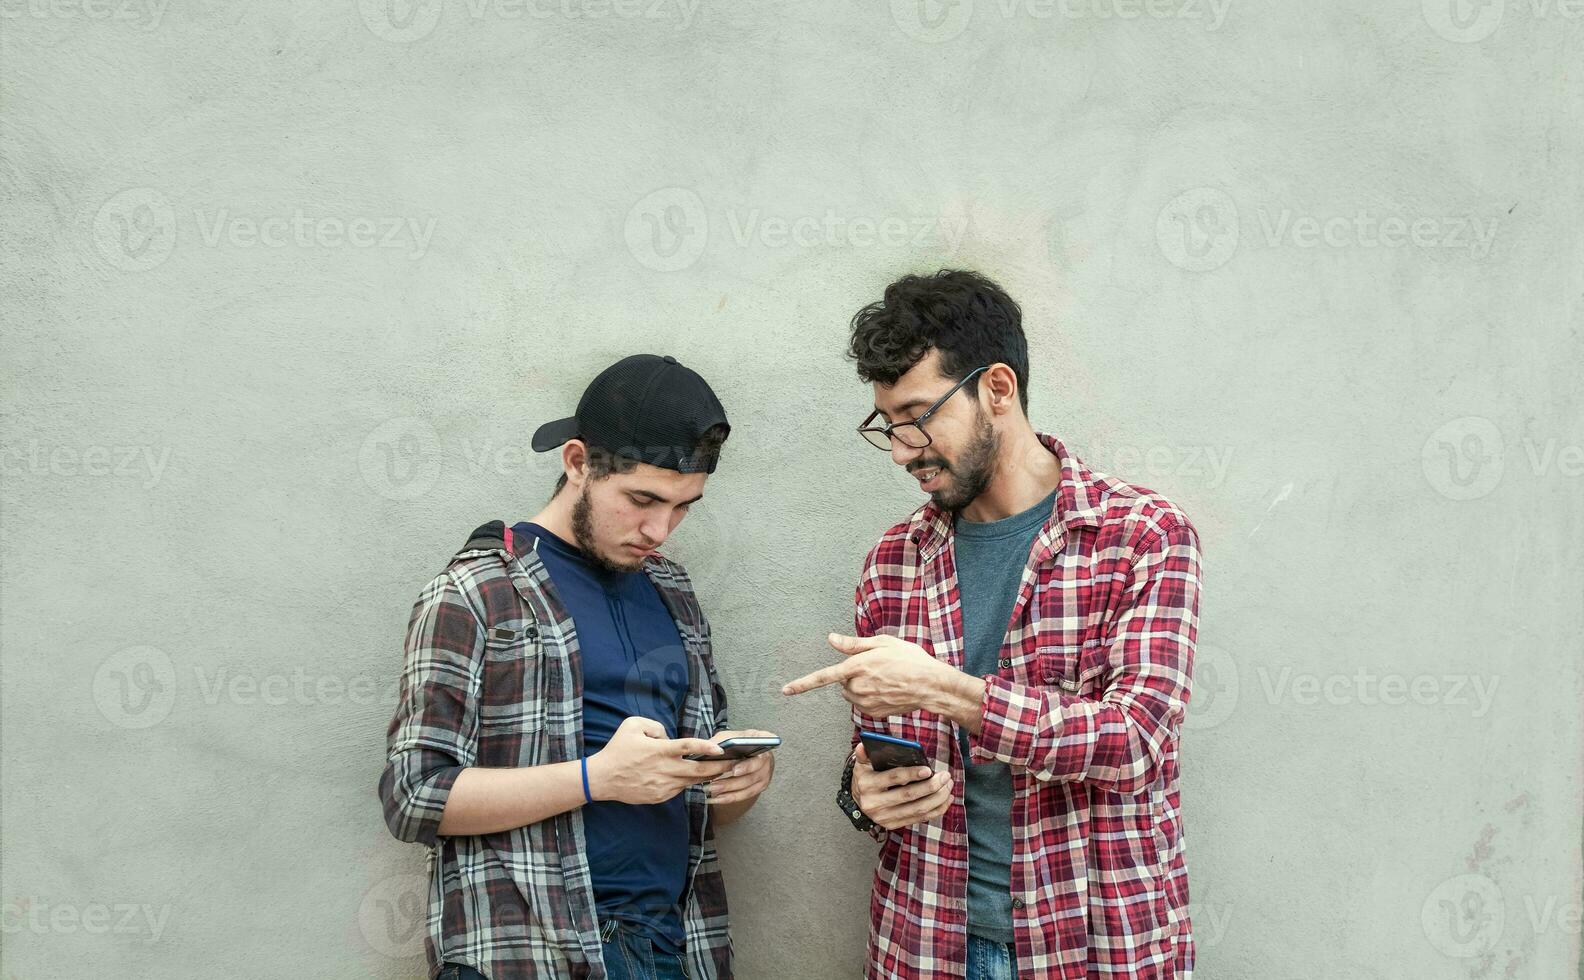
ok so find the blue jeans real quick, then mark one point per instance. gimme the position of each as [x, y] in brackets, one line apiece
[988, 960]
[631, 955]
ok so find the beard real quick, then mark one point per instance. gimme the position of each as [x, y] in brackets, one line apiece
[972, 472]
[583, 537]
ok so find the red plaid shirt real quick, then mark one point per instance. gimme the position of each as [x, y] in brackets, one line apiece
[1085, 711]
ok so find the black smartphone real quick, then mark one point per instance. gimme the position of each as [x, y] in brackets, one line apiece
[886, 752]
[740, 747]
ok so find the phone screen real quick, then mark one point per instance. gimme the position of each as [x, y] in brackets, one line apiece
[739, 748]
[887, 753]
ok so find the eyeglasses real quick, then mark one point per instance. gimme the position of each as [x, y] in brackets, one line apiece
[910, 433]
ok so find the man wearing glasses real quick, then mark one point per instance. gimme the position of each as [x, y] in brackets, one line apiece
[1032, 625]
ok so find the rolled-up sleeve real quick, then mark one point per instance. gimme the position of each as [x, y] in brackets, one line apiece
[434, 733]
[1117, 739]
[864, 625]
[864, 611]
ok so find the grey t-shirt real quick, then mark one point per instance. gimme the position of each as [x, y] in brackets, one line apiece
[990, 561]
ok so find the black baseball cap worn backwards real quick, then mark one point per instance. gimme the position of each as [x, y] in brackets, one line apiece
[647, 408]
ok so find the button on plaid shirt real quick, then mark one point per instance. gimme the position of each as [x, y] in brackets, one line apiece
[1086, 716]
[493, 678]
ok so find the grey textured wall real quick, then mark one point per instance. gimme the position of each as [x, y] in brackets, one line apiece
[287, 286]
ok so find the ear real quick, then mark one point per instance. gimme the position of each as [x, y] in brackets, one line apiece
[999, 387]
[574, 461]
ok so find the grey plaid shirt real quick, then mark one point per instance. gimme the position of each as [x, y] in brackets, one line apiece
[493, 678]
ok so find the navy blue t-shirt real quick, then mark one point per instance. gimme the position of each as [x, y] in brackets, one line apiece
[633, 664]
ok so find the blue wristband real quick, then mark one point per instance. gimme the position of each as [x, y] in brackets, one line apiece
[586, 795]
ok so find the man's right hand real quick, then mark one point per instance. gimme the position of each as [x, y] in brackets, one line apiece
[899, 798]
[640, 765]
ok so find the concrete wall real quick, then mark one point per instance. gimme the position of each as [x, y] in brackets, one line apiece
[287, 286]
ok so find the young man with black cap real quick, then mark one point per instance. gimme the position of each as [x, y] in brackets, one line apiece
[558, 675]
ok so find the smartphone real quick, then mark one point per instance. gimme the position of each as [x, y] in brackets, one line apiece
[886, 752]
[740, 747]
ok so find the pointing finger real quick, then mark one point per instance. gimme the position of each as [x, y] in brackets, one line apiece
[820, 678]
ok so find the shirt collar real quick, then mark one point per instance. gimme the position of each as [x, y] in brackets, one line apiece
[1077, 505]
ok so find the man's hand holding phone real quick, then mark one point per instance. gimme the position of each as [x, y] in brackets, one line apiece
[641, 765]
[747, 778]
[901, 797]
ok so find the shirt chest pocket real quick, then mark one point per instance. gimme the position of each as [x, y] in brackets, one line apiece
[1076, 668]
[1068, 642]
[512, 698]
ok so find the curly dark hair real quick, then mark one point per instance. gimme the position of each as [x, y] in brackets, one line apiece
[964, 315]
